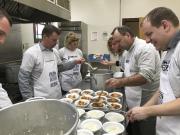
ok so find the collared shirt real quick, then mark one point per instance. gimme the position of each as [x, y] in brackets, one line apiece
[32, 67]
[173, 57]
[144, 60]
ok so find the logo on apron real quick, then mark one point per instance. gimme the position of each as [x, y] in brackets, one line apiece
[53, 79]
[165, 65]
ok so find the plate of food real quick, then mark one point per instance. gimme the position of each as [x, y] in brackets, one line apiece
[115, 94]
[93, 125]
[75, 91]
[99, 99]
[95, 114]
[97, 105]
[87, 97]
[114, 106]
[114, 100]
[103, 93]
[81, 103]
[73, 96]
[87, 92]
[113, 128]
[84, 132]
[114, 117]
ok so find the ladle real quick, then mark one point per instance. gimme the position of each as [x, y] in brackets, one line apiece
[89, 65]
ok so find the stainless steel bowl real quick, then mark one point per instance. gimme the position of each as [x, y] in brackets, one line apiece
[39, 117]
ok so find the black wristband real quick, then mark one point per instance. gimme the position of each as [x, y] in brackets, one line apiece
[117, 63]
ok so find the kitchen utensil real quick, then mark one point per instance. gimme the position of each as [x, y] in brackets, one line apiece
[40, 117]
[91, 68]
[101, 75]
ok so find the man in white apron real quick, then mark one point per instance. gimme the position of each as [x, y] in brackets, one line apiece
[71, 78]
[161, 27]
[5, 26]
[141, 64]
[38, 75]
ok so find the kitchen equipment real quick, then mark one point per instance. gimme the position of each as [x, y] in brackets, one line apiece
[91, 68]
[39, 117]
[101, 75]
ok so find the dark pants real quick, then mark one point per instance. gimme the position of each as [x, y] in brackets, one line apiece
[144, 127]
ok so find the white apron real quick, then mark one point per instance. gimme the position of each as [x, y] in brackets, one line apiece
[47, 84]
[71, 78]
[167, 125]
[133, 94]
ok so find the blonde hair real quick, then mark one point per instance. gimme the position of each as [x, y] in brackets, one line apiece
[70, 37]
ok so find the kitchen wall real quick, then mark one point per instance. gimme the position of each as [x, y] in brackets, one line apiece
[134, 8]
[101, 16]
[27, 35]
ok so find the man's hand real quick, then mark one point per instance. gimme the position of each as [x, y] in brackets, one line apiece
[114, 83]
[79, 61]
[137, 113]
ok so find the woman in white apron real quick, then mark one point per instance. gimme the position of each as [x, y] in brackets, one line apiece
[71, 78]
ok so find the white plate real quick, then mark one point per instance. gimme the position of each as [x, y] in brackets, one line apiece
[81, 111]
[87, 97]
[73, 96]
[83, 103]
[116, 94]
[91, 124]
[95, 114]
[94, 107]
[112, 106]
[84, 132]
[114, 117]
[75, 91]
[113, 128]
[87, 92]
[113, 100]
[105, 93]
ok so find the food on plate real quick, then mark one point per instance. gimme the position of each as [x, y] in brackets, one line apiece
[95, 114]
[97, 105]
[99, 99]
[116, 94]
[114, 117]
[84, 132]
[87, 97]
[81, 103]
[91, 124]
[103, 93]
[75, 91]
[72, 96]
[113, 100]
[113, 128]
[87, 92]
[115, 106]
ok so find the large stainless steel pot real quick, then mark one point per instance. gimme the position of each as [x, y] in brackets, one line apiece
[100, 76]
[40, 117]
